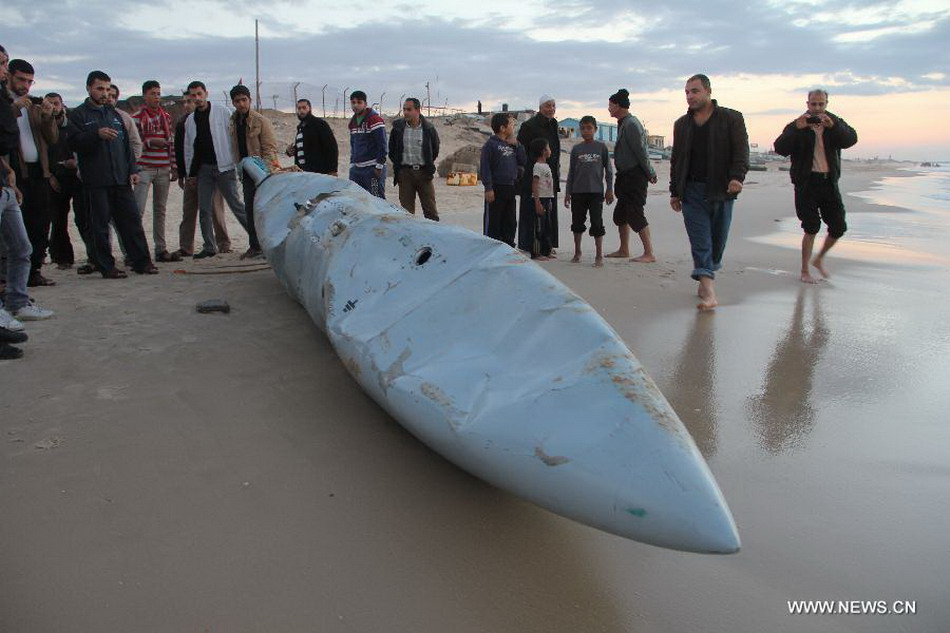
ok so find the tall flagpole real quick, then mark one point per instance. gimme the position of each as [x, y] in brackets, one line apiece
[257, 65]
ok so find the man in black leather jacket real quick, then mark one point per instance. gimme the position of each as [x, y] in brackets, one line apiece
[814, 142]
[707, 168]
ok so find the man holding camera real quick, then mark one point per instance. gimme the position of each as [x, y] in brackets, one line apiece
[814, 142]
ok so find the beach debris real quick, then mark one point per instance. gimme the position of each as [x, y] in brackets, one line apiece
[49, 443]
[213, 305]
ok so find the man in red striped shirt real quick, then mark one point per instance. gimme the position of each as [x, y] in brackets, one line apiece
[157, 164]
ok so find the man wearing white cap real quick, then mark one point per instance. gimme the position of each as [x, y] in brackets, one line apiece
[542, 125]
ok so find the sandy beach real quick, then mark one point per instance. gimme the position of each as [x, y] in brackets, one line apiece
[168, 471]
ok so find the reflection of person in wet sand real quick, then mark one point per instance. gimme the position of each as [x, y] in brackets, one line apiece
[814, 142]
[783, 411]
[696, 366]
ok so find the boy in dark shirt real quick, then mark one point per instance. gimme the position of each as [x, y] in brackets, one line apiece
[502, 160]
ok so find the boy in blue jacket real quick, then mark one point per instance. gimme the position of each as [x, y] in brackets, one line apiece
[503, 160]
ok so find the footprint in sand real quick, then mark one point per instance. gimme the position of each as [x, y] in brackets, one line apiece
[111, 392]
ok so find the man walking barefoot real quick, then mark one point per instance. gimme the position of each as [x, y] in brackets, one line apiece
[814, 142]
[709, 162]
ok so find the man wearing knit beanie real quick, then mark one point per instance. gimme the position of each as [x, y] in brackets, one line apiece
[634, 171]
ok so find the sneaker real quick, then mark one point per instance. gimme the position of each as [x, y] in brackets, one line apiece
[251, 253]
[7, 321]
[9, 336]
[32, 313]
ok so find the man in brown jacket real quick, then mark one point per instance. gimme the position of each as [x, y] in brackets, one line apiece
[251, 135]
[38, 131]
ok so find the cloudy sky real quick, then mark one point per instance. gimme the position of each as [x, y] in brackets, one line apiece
[884, 62]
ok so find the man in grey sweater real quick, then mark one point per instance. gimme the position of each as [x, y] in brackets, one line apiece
[634, 171]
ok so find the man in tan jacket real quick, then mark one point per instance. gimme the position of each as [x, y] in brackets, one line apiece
[251, 135]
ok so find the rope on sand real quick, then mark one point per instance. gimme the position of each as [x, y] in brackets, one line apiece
[216, 271]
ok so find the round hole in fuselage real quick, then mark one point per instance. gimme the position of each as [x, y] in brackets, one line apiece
[423, 255]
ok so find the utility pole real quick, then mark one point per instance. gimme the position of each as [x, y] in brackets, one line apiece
[428, 100]
[344, 97]
[381, 103]
[324, 91]
[295, 93]
[402, 100]
[257, 65]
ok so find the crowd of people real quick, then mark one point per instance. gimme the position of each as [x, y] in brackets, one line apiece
[103, 163]
[708, 165]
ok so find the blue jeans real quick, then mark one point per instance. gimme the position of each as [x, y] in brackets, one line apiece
[366, 178]
[18, 249]
[707, 225]
[209, 179]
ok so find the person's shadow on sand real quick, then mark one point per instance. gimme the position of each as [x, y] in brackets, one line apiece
[782, 413]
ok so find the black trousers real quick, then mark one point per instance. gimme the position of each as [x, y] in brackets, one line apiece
[819, 199]
[81, 218]
[36, 213]
[249, 190]
[60, 246]
[501, 221]
[526, 215]
[118, 205]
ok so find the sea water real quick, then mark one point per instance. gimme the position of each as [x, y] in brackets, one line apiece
[920, 220]
[926, 191]
[911, 225]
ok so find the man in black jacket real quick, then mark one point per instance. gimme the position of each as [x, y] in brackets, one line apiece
[15, 305]
[707, 168]
[814, 141]
[542, 125]
[413, 150]
[109, 171]
[64, 188]
[314, 148]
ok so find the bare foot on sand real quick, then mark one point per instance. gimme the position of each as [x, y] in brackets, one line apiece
[708, 298]
[819, 265]
[808, 279]
[643, 259]
[576, 258]
[543, 258]
[618, 254]
[598, 262]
